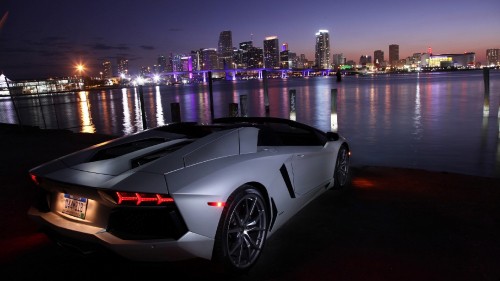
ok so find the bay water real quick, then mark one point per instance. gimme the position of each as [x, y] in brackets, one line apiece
[438, 121]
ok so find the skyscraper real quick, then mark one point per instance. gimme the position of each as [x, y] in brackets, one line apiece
[162, 63]
[271, 52]
[378, 58]
[393, 55]
[245, 48]
[225, 50]
[122, 67]
[284, 58]
[322, 50]
[255, 57]
[338, 60]
[492, 57]
[209, 59]
[106, 70]
[365, 59]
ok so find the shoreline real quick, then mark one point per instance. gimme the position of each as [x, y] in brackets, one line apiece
[332, 75]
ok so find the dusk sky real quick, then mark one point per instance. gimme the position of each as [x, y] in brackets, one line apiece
[44, 38]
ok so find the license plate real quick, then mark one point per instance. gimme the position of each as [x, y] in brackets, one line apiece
[75, 206]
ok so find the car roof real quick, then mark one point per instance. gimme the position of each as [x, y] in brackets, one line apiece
[198, 130]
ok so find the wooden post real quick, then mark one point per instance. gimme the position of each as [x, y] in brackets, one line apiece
[233, 109]
[175, 110]
[266, 93]
[486, 77]
[486, 103]
[210, 92]
[244, 105]
[143, 111]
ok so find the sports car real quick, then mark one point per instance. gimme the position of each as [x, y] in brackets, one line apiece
[185, 190]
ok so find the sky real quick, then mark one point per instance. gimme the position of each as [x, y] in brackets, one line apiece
[47, 38]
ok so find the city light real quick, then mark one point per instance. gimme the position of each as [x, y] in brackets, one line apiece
[80, 68]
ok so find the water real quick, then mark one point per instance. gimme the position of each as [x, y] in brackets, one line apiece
[435, 121]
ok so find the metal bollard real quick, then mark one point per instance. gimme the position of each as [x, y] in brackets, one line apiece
[333, 108]
[293, 104]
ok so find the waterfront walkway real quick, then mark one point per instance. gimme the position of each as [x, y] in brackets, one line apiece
[394, 224]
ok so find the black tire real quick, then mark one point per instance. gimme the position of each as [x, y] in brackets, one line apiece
[342, 173]
[242, 231]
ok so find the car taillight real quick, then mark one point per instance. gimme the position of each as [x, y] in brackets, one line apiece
[136, 198]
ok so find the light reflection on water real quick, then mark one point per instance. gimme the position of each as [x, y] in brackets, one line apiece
[435, 121]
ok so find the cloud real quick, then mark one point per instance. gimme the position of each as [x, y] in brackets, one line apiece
[145, 47]
[101, 47]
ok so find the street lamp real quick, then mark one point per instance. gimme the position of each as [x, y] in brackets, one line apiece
[80, 68]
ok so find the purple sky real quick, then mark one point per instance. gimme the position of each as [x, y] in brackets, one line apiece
[45, 38]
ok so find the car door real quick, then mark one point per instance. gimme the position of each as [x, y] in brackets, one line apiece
[310, 169]
[310, 159]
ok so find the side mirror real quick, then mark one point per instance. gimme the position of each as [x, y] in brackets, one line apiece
[332, 136]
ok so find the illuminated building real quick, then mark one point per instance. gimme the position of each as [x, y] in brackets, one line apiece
[365, 59]
[122, 67]
[393, 55]
[209, 59]
[338, 60]
[464, 60]
[292, 60]
[255, 57]
[162, 63]
[225, 50]
[285, 56]
[271, 52]
[196, 59]
[284, 47]
[107, 72]
[144, 71]
[322, 50]
[181, 62]
[187, 63]
[242, 56]
[378, 58]
[492, 57]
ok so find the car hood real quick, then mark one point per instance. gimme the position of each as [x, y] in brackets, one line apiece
[89, 168]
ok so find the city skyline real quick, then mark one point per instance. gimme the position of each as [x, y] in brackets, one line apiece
[47, 38]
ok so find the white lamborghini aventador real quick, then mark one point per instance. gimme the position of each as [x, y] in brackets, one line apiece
[187, 190]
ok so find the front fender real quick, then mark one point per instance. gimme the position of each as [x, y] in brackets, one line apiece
[214, 181]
